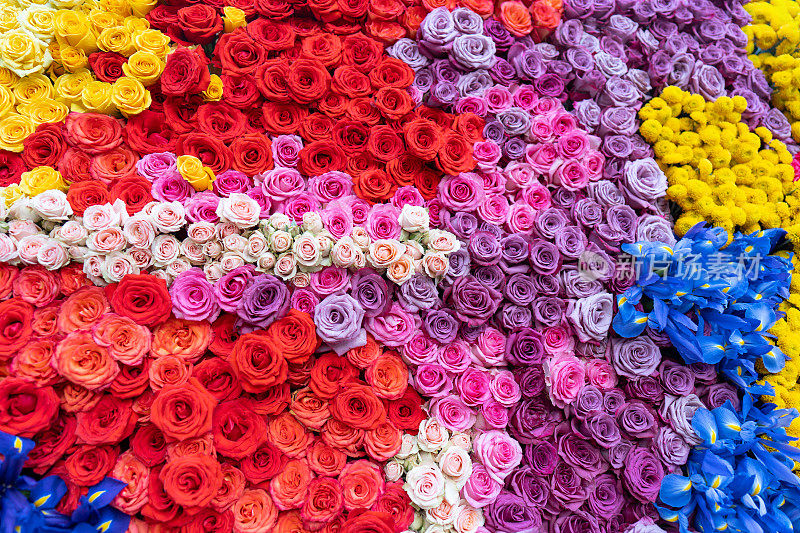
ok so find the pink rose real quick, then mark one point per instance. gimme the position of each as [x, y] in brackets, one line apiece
[521, 218]
[498, 452]
[393, 328]
[542, 157]
[505, 389]
[481, 489]
[490, 348]
[601, 374]
[453, 413]
[558, 339]
[473, 386]
[571, 175]
[487, 154]
[455, 357]
[565, 375]
[383, 222]
[286, 150]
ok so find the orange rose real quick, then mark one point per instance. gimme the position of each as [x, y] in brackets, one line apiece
[16, 317]
[328, 373]
[88, 465]
[75, 398]
[343, 437]
[362, 483]
[388, 376]
[32, 362]
[238, 430]
[37, 285]
[254, 512]
[358, 406]
[273, 400]
[168, 370]
[484, 8]
[546, 15]
[127, 342]
[233, 482]
[288, 435]
[257, 363]
[183, 411]
[324, 459]
[309, 409]
[83, 362]
[192, 480]
[516, 18]
[183, 338]
[289, 488]
[26, 408]
[295, 336]
[290, 522]
[383, 442]
[108, 422]
[45, 320]
[363, 356]
[82, 310]
[136, 474]
[324, 502]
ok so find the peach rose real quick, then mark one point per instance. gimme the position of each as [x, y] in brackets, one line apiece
[36, 285]
[383, 442]
[384, 252]
[132, 471]
[84, 362]
[202, 445]
[168, 370]
[185, 339]
[401, 270]
[76, 399]
[254, 512]
[289, 488]
[288, 435]
[388, 376]
[311, 410]
[325, 460]
[32, 362]
[362, 484]
[82, 310]
[126, 341]
[232, 488]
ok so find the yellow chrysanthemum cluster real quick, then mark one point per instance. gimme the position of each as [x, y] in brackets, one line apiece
[773, 40]
[718, 170]
[785, 383]
[44, 49]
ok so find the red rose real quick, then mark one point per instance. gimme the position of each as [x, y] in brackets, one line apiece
[358, 406]
[324, 47]
[257, 362]
[288, 435]
[404, 169]
[240, 91]
[142, 298]
[210, 150]
[16, 317]
[192, 480]
[274, 9]
[221, 121]
[273, 400]
[74, 165]
[88, 465]
[299, 373]
[351, 82]
[385, 31]
[183, 411]
[324, 10]
[163, 17]
[92, 132]
[131, 381]
[110, 421]
[238, 430]
[343, 437]
[272, 35]
[361, 51]
[239, 53]
[45, 146]
[427, 182]
[26, 408]
[216, 375]
[393, 103]
[271, 79]
[263, 464]
[159, 507]
[149, 445]
[7, 275]
[11, 168]
[319, 157]
[84, 194]
[351, 136]
[199, 23]
[295, 336]
[134, 191]
[252, 154]
[181, 113]
[307, 80]
[186, 72]
[436, 115]
[470, 126]
[107, 66]
[208, 521]
[423, 138]
[36, 286]
[72, 278]
[225, 335]
[148, 132]
[353, 9]
[316, 127]
[374, 186]
[361, 521]
[384, 144]
[406, 412]
[333, 104]
[455, 154]
[329, 373]
[324, 502]
[360, 163]
[113, 165]
[395, 501]
[52, 443]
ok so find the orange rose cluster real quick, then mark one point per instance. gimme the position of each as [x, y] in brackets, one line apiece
[209, 429]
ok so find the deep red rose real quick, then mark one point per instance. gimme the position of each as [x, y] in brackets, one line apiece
[333, 104]
[210, 150]
[225, 335]
[271, 77]
[308, 80]
[159, 507]
[142, 298]
[273, 36]
[45, 146]
[240, 91]
[404, 169]
[131, 381]
[107, 66]
[358, 406]
[11, 168]
[220, 120]
[406, 412]
[374, 186]
[395, 502]
[361, 51]
[74, 165]
[362, 521]
[324, 47]
[239, 53]
[186, 72]
[217, 376]
[324, 10]
[183, 411]
[283, 119]
[427, 182]
[15, 326]
[319, 157]
[148, 132]
[149, 445]
[274, 9]
[384, 144]
[26, 408]
[238, 430]
[351, 136]
[329, 373]
[252, 154]
[163, 16]
[110, 421]
[210, 521]
[393, 103]
[199, 23]
[273, 400]
[316, 127]
[257, 362]
[360, 163]
[455, 154]
[423, 138]
[351, 82]
[181, 114]
[88, 465]
[299, 373]
[8, 274]
[263, 464]
[52, 443]
[134, 191]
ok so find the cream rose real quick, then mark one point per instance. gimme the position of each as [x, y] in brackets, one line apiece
[384, 252]
[432, 435]
[139, 231]
[71, 233]
[425, 486]
[239, 209]
[414, 218]
[52, 205]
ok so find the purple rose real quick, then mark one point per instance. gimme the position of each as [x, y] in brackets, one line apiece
[458, 264]
[418, 293]
[635, 357]
[642, 474]
[603, 428]
[616, 454]
[587, 212]
[549, 311]
[550, 221]
[704, 373]
[637, 420]
[265, 300]
[619, 120]
[591, 316]
[575, 522]
[520, 289]
[339, 320]
[670, 447]
[541, 457]
[371, 292]
[619, 146]
[484, 249]
[606, 497]
[525, 347]
[544, 257]
[490, 276]
[443, 70]
[582, 456]
[474, 83]
[502, 72]
[589, 400]
[533, 419]
[645, 388]
[676, 378]
[613, 401]
[510, 512]
[530, 485]
[605, 193]
[440, 325]
[473, 302]
[567, 487]
[569, 33]
[513, 317]
[578, 285]
[716, 395]
[571, 242]
[654, 228]
[530, 379]
[442, 93]
[549, 85]
[498, 33]
[529, 64]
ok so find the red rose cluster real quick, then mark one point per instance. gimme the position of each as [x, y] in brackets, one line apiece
[220, 432]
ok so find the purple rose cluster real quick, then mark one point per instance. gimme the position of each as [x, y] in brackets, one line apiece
[612, 56]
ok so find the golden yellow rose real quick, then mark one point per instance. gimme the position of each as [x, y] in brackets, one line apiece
[39, 21]
[134, 24]
[68, 87]
[10, 194]
[102, 20]
[144, 66]
[66, 4]
[7, 101]
[233, 17]
[23, 52]
[117, 40]
[130, 96]
[152, 41]
[33, 87]
[96, 98]
[41, 179]
[140, 8]
[45, 110]
[119, 7]
[73, 59]
[214, 91]
[14, 129]
[191, 168]
[8, 79]
[73, 28]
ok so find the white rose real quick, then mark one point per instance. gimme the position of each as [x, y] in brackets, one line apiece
[360, 237]
[239, 209]
[201, 232]
[414, 218]
[93, 266]
[408, 446]
[140, 231]
[256, 245]
[223, 229]
[393, 470]
[193, 251]
[280, 241]
[22, 209]
[117, 265]
[442, 241]
[71, 233]
[169, 217]
[142, 257]
[432, 435]
[286, 266]
[425, 486]
[279, 220]
[343, 253]
[265, 261]
[234, 243]
[178, 267]
[307, 250]
[312, 222]
[231, 261]
[456, 465]
[52, 255]
[52, 205]
[165, 250]
[213, 272]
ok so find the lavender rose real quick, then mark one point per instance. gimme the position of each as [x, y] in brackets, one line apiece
[591, 316]
[265, 300]
[635, 357]
[472, 301]
[339, 320]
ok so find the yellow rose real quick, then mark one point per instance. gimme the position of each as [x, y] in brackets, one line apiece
[38, 21]
[134, 24]
[102, 20]
[7, 101]
[8, 19]
[152, 41]
[14, 129]
[96, 97]
[41, 179]
[140, 8]
[73, 59]
[214, 91]
[144, 66]
[10, 194]
[233, 17]
[8, 78]
[193, 171]
[73, 28]
[130, 96]
[23, 52]
[119, 7]
[68, 87]
[65, 4]
[116, 40]
[33, 87]
[45, 110]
